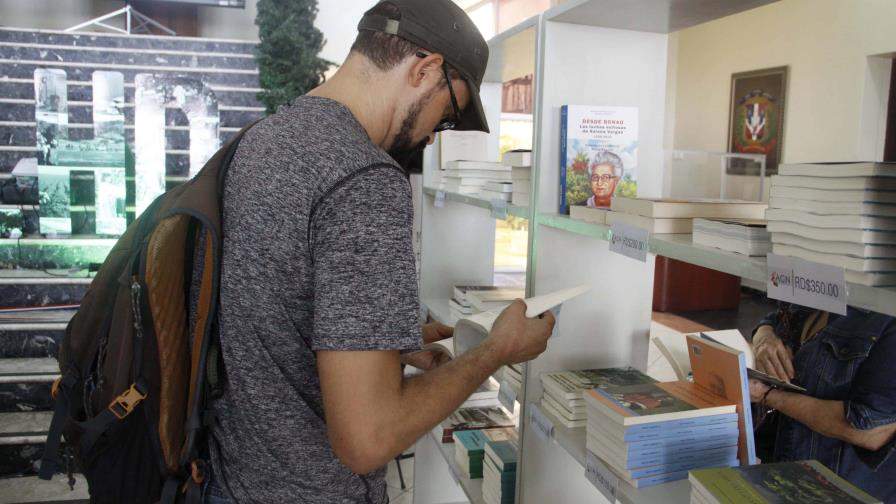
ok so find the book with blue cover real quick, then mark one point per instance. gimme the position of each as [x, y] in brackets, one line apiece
[598, 155]
[707, 426]
[661, 457]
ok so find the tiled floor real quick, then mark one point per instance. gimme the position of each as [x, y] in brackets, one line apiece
[396, 494]
[21, 490]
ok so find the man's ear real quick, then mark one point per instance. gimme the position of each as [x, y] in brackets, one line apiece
[426, 69]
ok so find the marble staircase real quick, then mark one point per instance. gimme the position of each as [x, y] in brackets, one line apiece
[29, 346]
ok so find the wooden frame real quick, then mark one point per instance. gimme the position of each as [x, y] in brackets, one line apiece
[756, 113]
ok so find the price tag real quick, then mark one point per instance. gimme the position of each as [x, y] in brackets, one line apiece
[439, 201]
[540, 423]
[506, 396]
[499, 209]
[629, 241]
[556, 311]
[601, 477]
[795, 280]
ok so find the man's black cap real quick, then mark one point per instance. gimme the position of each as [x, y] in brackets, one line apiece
[440, 26]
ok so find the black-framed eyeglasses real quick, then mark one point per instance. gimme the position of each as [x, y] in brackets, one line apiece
[451, 122]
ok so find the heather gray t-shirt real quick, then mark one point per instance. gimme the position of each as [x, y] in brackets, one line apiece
[317, 256]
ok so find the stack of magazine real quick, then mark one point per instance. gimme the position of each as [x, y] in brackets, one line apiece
[841, 214]
[469, 448]
[669, 216]
[563, 391]
[741, 236]
[499, 472]
[471, 177]
[807, 482]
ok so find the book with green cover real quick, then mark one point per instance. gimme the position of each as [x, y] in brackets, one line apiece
[502, 454]
[470, 448]
[570, 384]
[808, 482]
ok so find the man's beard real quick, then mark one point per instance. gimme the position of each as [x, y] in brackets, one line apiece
[403, 148]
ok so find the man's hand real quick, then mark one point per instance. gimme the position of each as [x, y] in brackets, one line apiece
[773, 357]
[429, 358]
[758, 391]
[436, 332]
[515, 339]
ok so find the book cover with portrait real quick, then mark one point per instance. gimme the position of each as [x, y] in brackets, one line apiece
[598, 155]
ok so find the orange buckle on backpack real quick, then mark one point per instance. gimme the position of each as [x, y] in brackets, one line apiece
[197, 471]
[54, 391]
[124, 404]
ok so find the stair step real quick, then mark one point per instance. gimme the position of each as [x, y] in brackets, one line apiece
[24, 428]
[25, 384]
[37, 316]
[30, 489]
[22, 437]
[31, 340]
[28, 370]
[18, 291]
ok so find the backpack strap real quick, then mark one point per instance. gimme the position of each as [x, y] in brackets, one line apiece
[50, 461]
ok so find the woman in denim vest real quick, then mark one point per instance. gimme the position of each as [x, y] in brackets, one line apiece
[847, 420]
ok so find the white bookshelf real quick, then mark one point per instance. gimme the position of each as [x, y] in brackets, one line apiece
[476, 201]
[589, 52]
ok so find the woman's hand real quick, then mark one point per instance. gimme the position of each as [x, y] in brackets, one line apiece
[758, 391]
[773, 357]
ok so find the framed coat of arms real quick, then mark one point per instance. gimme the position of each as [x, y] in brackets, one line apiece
[756, 118]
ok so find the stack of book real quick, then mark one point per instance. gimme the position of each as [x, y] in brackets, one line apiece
[513, 375]
[669, 216]
[563, 391]
[808, 482]
[471, 299]
[491, 417]
[501, 191]
[470, 177]
[589, 214]
[485, 396]
[741, 236]
[469, 448]
[838, 214]
[654, 433]
[520, 163]
[499, 472]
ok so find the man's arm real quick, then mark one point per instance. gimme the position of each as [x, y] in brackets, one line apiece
[373, 413]
[825, 417]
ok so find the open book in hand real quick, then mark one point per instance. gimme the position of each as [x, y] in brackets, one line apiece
[472, 330]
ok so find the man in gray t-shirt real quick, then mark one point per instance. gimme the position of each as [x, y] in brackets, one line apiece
[319, 301]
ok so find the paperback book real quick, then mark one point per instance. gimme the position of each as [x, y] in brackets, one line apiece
[654, 225]
[808, 482]
[598, 155]
[668, 208]
[469, 448]
[741, 236]
[463, 419]
[657, 402]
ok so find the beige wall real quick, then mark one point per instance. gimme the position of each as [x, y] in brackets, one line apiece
[836, 93]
